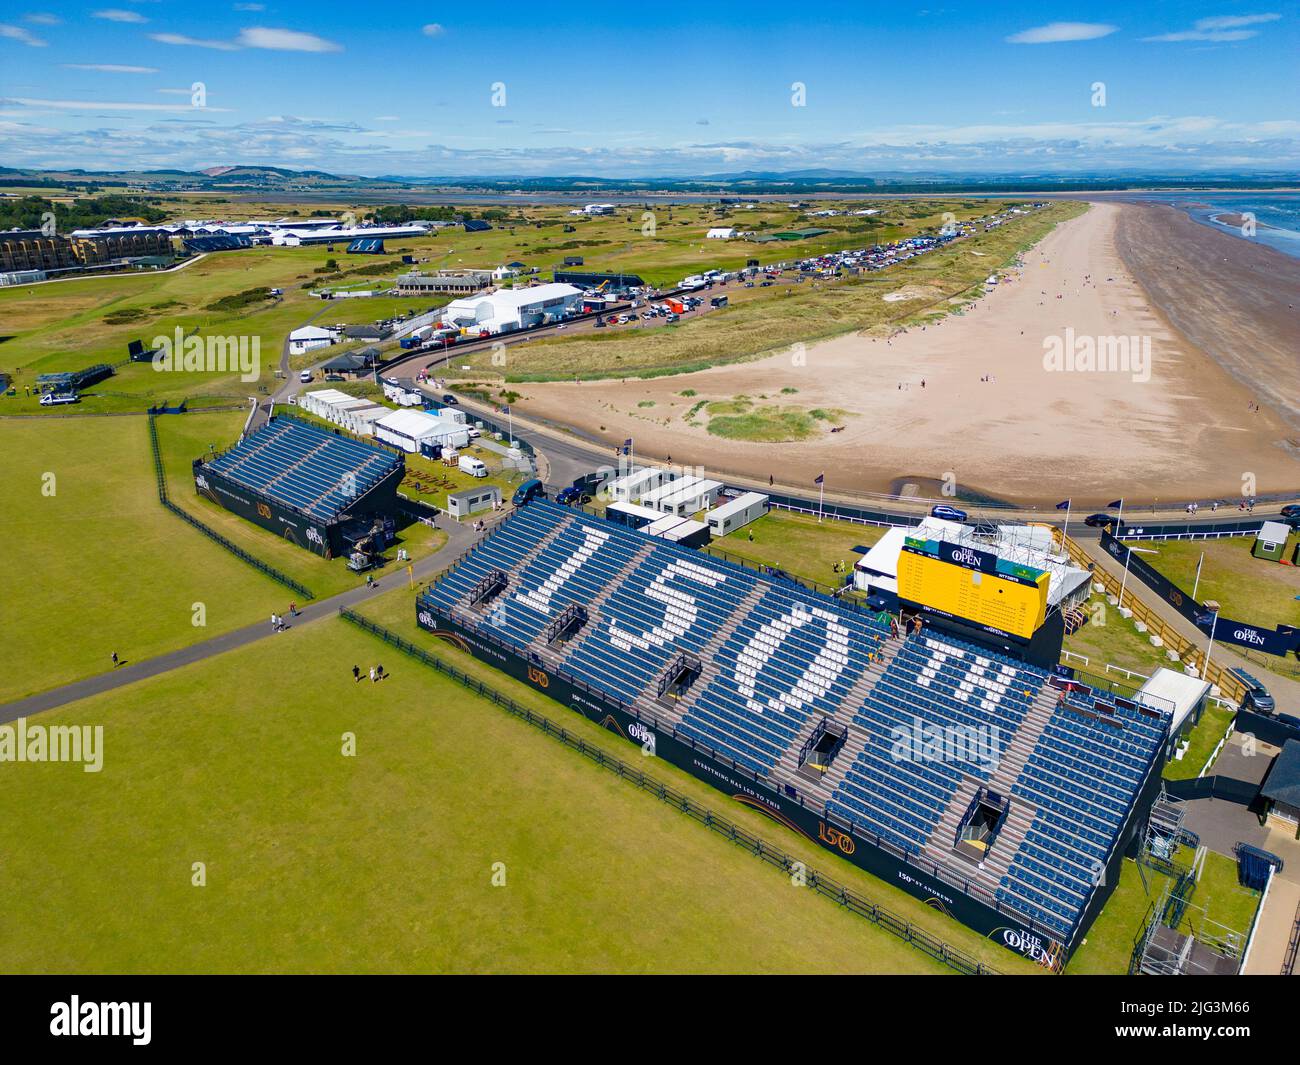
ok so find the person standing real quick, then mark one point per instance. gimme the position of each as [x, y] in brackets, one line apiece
[372, 674]
[356, 674]
[115, 660]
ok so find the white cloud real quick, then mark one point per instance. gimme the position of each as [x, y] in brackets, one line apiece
[1219, 28]
[110, 68]
[192, 42]
[250, 7]
[41, 18]
[285, 40]
[101, 105]
[388, 118]
[433, 29]
[17, 33]
[116, 14]
[1055, 32]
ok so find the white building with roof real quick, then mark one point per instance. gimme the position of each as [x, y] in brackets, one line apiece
[309, 338]
[414, 431]
[517, 308]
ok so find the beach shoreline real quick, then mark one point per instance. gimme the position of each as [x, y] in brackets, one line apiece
[973, 399]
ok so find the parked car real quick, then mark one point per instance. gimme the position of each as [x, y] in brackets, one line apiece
[531, 489]
[305, 377]
[1291, 510]
[1257, 697]
[1099, 521]
[450, 400]
[569, 496]
[947, 513]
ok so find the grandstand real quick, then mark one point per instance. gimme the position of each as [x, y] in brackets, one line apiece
[314, 487]
[217, 242]
[980, 783]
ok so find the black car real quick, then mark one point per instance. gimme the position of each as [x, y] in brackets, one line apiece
[1099, 521]
[569, 496]
[450, 400]
[1291, 510]
[1257, 697]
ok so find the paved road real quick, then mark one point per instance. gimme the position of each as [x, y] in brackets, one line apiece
[459, 540]
[570, 456]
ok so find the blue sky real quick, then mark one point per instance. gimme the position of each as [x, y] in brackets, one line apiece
[675, 90]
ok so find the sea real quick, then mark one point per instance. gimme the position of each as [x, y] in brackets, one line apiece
[1277, 214]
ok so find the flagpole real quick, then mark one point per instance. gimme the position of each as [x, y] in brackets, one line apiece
[821, 497]
[1197, 583]
[1065, 533]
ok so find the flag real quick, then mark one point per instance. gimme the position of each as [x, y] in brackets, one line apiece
[821, 477]
[1063, 505]
[627, 446]
[505, 410]
[1114, 505]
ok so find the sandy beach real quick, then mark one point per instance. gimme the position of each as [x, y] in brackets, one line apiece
[976, 396]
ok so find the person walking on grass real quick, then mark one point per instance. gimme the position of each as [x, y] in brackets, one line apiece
[115, 660]
[356, 674]
[372, 675]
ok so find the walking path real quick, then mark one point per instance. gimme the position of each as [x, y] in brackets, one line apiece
[459, 540]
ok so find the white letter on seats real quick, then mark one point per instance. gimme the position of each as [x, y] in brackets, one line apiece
[680, 610]
[817, 678]
[540, 597]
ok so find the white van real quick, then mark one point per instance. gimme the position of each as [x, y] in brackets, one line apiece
[55, 399]
[474, 467]
[305, 377]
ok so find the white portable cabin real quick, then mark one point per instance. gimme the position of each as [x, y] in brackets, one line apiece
[631, 515]
[736, 513]
[632, 486]
[683, 497]
[677, 530]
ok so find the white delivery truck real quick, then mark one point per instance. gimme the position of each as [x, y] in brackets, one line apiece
[474, 467]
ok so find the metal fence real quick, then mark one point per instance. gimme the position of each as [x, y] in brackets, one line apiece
[755, 845]
[210, 533]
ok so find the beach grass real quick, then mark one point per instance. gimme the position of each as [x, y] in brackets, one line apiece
[788, 315]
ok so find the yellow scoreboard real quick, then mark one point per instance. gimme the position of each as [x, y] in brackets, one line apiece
[975, 586]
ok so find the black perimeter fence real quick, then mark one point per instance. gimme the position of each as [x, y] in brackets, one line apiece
[819, 882]
[212, 534]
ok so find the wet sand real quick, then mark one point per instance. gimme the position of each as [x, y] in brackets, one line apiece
[972, 398]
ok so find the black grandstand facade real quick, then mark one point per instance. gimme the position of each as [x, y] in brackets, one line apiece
[981, 784]
[315, 488]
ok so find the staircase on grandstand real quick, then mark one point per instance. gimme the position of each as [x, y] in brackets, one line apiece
[970, 763]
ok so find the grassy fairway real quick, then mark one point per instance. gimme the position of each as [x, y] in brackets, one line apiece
[1246, 588]
[396, 611]
[316, 862]
[99, 566]
[799, 545]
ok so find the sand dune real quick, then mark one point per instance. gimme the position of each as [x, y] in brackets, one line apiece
[972, 397]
